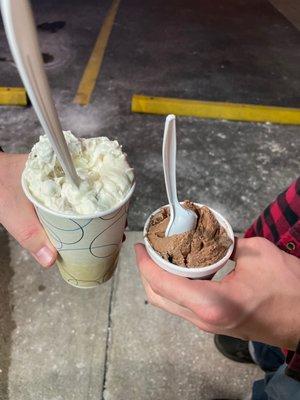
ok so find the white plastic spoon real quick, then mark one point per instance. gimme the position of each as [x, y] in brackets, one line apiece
[22, 38]
[181, 219]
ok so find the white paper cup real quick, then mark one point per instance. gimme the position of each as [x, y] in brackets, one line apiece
[88, 245]
[193, 273]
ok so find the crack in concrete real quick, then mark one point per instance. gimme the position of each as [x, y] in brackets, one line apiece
[7, 324]
[108, 337]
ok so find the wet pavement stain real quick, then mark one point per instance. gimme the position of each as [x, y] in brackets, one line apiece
[41, 288]
[7, 323]
[47, 58]
[52, 27]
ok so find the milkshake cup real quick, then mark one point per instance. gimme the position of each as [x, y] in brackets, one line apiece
[192, 273]
[88, 245]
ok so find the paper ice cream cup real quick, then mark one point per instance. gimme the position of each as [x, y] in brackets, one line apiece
[193, 273]
[88, 245]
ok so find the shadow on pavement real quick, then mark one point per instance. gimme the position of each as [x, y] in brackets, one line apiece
[7, 325]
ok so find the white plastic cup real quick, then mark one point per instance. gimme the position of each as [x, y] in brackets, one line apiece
[193, 273]
[88, 245]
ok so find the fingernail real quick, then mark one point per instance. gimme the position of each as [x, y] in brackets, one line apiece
[137, 245]
[45, 256]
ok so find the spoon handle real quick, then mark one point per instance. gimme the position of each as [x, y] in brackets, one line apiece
[22, 38]
[169, 161]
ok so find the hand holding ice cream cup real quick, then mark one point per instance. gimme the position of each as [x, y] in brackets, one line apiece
[186, 239]
[85, 224]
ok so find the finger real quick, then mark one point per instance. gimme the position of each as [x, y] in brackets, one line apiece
[166, 304]
[27, 230]
[18, 216]
[174, 308]
[205, 298]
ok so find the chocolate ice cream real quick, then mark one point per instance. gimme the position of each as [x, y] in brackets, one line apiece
[205, 245]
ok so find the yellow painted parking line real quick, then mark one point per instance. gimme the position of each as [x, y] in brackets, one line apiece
[92, 69]
[215, 110]
[13, 96]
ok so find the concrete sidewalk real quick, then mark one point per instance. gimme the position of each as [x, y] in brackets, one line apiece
[63, 343]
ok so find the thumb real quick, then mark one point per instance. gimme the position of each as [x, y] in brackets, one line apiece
[180, 290]
[213, 302]
[21, 221]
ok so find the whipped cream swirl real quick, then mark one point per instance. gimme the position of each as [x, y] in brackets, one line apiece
[100, 163]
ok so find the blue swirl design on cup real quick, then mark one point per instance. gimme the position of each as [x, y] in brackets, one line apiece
[54, 231]
[94, 246]
[60, 235]
[64, 239]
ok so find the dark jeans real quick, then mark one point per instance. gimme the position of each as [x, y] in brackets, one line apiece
[276, 385]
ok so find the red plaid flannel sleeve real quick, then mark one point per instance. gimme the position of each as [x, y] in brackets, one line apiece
[280, 223]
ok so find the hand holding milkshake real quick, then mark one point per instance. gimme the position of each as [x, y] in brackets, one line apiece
[86, 224]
